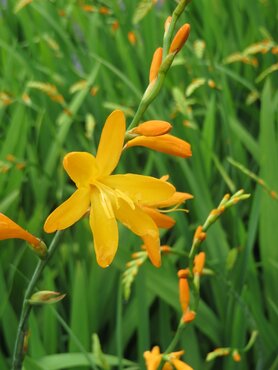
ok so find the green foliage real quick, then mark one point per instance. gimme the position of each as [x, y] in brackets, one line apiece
[59, 43]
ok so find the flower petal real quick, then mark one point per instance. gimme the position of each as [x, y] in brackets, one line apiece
[111, 142]
[81, 167]
[143, 189]
[165, 143]
[142, 225]
[105, 229]
[163, 221]
[175, 200]
[68, 212]
[180, 365]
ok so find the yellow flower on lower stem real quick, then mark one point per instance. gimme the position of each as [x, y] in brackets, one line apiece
[153, 359]
[110, 197]
[11, 230]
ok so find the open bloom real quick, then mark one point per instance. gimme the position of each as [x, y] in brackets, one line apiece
[11, 230]
[110, 197]
[154, 357]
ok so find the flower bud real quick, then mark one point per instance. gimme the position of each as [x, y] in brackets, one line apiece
[155, 64]
[199, 262]
[165, 143]
[180, 38]
[152, 128]
[45, 297]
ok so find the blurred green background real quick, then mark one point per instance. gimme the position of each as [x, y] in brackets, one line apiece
[64, 66]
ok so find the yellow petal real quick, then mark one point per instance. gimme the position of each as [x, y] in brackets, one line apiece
[68, 212]
[111, 142]
[104, 228]
[176, 199]
[143, 189]
[167, 366]
[81, 167]
[168, 144]
[142, 225]
[161, 220]
[180, 365]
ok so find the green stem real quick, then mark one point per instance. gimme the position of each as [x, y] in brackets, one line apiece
[153, 90]
[176, 338]
[18, 354]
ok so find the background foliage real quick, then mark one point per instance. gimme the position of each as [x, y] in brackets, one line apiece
[64, 66]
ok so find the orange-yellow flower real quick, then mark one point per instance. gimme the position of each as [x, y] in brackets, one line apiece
[168, 144]
[110, 197]
[11, 230]
[154, 357]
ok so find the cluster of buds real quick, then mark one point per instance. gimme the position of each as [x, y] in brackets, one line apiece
[160, 64]
[189, 315]
[132, 268]
[224, 351]
[154, 135]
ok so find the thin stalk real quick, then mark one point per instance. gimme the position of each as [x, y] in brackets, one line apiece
[18, 354]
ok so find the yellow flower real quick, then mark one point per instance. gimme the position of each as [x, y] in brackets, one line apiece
[110, 197]
[11, 230]
[154, 357]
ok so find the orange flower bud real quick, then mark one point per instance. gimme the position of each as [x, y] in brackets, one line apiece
[199, 262]
[155, 64]
[131, 37]
[165, 249]
[184, 294]
[165, 143]
[10, 230]
[184, 273]
[152, 128]
[188, 316]
[103, 10]
[115, 25]
[87, 8]
[236, 356]
[200, 234]
[180, 38]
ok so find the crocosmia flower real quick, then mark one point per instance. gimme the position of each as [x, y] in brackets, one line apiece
[110, 197]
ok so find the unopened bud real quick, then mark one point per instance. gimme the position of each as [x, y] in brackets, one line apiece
[155, 64]
[199, 262]
[180, 38]
[188, 316]
[45, 297]
[236, 356]
[152, 128]
[167, 24]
